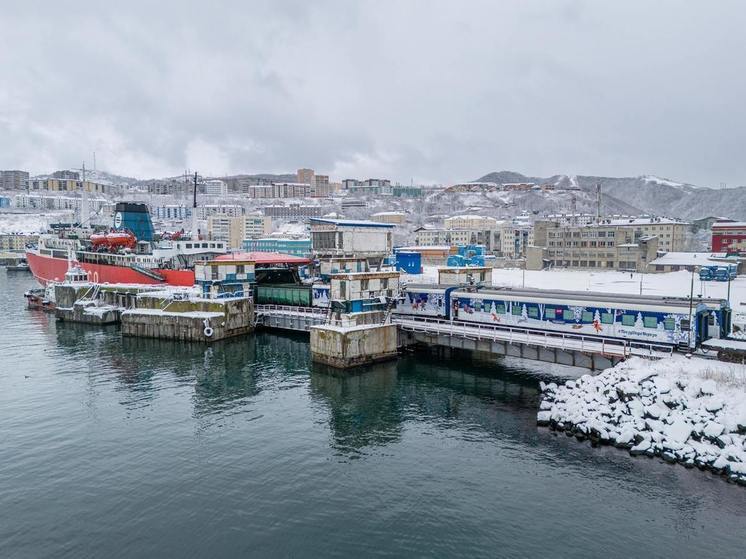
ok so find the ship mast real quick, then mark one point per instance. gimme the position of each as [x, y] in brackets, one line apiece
[84, 208]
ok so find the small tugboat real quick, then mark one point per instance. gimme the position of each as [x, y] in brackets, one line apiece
[43, 298]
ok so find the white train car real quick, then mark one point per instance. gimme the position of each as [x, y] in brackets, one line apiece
[638, 318]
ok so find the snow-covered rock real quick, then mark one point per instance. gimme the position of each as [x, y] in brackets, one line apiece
[673, 408]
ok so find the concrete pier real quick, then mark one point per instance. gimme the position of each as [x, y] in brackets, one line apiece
[189, 320]
[344, 347]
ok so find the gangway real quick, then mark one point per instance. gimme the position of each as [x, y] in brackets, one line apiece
[555, 347]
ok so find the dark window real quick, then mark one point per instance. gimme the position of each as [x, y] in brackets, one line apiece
[607, 318]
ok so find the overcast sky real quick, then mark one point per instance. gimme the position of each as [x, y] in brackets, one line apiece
[430, 91]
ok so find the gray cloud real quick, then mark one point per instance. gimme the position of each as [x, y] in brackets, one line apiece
[434, 91]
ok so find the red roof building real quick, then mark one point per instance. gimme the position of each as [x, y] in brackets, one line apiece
[729, 237]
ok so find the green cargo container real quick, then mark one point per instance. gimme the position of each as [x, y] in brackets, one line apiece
[284, 294]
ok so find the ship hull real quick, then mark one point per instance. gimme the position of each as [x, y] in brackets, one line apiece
[47, 269]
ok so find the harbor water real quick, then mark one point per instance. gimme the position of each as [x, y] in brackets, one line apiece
[114, 447]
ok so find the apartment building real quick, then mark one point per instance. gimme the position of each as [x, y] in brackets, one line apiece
[56, 202]
[215, 187]
[397, 218]
[230, 210]
[234, 230]
[515, 238]
[69, 185]
[602, 246]
[172, 212]
[671, 233]
[14, 180]
[293, 211]
[16, 243]
[470, 222]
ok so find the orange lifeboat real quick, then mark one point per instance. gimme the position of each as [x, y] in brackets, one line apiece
[114, 240]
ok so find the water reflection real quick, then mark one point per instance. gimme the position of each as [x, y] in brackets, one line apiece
[363, 405]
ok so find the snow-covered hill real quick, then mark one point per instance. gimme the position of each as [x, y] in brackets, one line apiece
[647, 194]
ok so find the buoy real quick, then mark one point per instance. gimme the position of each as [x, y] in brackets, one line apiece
[208, 331]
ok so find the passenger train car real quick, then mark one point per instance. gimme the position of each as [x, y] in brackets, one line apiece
[636, 318]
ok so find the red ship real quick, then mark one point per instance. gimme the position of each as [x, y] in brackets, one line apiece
[127, 254]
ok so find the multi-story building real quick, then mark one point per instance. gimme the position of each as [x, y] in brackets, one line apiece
[341, 237]
[285, 245]
[16, 242]
[572, 218]
[14, 180]
[305, 176]
[234, 230]
[372, 187]
[603, 246]
[169, 187]
[215, 187]
[230, 210]
[66, 174]
[515, 238]
[470, 222]
[400, 191]
[490, 238]
[397, 218]
[56, 202]
[172, 212]
[671, 233]
[293, 211]
[69, 185]
[729, 237]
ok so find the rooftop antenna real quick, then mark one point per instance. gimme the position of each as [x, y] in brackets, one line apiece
[573, 209]
[598, 202]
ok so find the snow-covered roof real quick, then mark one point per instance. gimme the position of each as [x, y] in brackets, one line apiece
[352, 223]
[387, 213]
[728, 224]
[642, 221]
[692, 259]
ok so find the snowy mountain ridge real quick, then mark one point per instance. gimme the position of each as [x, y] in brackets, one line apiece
[644, 194]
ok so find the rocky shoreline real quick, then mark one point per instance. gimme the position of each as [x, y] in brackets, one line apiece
[673, 409]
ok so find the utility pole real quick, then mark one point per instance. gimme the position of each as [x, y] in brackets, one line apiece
[691, 303]
[195, 229]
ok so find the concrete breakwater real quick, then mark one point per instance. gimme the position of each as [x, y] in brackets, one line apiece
[673, 409]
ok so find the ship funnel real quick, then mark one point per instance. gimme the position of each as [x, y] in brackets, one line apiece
[135, 217]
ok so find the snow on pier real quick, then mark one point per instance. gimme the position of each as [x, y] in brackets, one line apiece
[690, 411]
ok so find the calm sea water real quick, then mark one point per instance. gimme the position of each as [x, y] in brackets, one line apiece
[114, 447]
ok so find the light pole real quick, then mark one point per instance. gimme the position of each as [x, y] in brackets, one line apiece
[691, 301]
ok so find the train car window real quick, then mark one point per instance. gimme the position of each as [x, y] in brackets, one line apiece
[500, 308]
[550, 312]
[587, 316]
[607, 318]
[628, 320]
[567, 314]
[650, 322]
[685, 325]
[711, 320]
[669, 324]
[516, 309]
[477, 304]
[533, 312]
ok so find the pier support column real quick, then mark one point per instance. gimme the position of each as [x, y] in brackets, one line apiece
[345, 347]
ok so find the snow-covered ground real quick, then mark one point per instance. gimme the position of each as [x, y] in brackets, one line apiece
[28, 223]
[691, 411]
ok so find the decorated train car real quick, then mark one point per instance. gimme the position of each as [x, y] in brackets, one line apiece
[636, 318]
[426, 300]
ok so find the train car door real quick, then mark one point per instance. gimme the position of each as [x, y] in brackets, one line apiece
[701, 327]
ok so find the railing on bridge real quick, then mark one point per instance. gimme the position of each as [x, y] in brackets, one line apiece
[512, 334]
